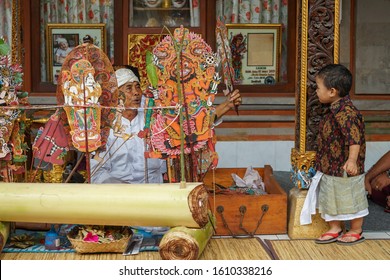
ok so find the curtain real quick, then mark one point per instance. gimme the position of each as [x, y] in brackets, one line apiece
[76, 11]
[6, 20]
[258, 11]
[194, 12]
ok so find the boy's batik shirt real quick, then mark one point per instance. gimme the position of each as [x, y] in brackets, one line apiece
[341, 127]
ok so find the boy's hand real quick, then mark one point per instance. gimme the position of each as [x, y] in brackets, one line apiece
[350, 167]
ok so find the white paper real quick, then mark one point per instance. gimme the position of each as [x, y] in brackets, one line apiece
[252, 180]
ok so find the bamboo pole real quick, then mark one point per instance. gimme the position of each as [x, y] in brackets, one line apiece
[4, 233]
[181, 243]
[105, 204]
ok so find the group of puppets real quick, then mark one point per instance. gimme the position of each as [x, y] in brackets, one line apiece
[183, 76]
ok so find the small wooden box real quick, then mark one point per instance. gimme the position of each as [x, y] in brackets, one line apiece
[242, 214]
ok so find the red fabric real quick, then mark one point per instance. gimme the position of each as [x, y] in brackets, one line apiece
[52, 142]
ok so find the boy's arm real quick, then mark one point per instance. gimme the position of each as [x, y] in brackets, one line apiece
[351, 165]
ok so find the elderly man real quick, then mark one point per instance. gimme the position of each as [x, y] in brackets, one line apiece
[124, 161]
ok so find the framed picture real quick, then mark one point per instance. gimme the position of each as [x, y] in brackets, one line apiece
[256, 52]
[61, 39]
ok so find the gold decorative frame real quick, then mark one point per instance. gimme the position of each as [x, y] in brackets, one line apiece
[261, 60]
[73, 33]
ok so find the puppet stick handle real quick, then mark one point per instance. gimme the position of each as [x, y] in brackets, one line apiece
[230, 88]
[74, 168]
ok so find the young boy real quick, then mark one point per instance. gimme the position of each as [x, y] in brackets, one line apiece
[341, 152]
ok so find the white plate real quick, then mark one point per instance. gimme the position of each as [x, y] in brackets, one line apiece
[179, 3]
[153, 3]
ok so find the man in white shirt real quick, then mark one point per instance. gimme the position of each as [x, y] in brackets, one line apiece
[124, 160]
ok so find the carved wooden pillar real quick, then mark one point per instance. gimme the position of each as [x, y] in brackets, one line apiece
[318, 46]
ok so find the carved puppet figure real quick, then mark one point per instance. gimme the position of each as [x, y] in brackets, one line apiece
[187, 84]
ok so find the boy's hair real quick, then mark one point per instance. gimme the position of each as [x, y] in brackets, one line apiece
[336, 76]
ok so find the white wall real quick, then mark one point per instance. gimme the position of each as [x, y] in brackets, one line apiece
[242, 154]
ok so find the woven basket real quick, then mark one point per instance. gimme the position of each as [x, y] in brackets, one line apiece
[115, 246]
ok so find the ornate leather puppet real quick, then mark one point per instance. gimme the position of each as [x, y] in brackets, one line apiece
[88, 89]
[187, 72]
[81, 89]
[11, 119]
[225, 55]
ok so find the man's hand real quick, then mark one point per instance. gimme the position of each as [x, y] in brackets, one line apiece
[234, 99]
[380, 181]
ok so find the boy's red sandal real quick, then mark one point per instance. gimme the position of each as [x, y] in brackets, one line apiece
[334, 236]
[359, 239]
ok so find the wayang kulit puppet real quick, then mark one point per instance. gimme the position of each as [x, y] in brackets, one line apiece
[88, 90]
[187, 75]
[12, 146]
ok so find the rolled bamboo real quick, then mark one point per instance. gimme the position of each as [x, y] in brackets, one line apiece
[116, 204]
[181, 243]
[4, 233]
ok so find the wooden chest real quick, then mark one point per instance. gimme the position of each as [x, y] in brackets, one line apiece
[242, 214]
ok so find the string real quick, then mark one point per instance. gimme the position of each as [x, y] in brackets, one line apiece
[214, 192]
[40, 107]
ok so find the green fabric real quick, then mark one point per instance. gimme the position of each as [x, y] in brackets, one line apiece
[342, 195]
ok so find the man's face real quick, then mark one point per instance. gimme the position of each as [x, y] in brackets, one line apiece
[133, 94]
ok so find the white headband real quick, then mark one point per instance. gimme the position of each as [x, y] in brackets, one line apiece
[124, 76]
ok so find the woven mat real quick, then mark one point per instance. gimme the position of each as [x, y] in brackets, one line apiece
[372, 249]
[236, 249]
[217, 249]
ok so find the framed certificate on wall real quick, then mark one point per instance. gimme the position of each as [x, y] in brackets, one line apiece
[256, 52]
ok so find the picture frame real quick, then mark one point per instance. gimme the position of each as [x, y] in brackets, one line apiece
[58, 35]
[256, 50]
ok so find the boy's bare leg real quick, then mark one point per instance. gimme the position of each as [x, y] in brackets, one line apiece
[356, 228]
[335, 227]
